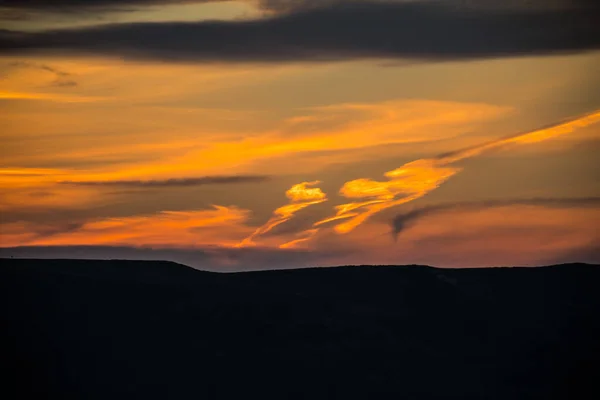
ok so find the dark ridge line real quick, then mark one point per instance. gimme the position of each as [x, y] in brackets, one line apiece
[311, 268]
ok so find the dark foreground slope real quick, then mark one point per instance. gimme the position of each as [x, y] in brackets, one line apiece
[157, 330]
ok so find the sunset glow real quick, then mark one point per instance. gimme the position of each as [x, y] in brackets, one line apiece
[256, 129]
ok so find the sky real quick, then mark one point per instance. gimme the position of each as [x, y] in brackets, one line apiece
[262, 134]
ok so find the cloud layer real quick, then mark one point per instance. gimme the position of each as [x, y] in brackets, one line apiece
[300, 196]
[430, 30]
[173, 182]
[405, 220]
[417, 178]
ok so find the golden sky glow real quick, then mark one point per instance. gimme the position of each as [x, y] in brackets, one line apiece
[219, 226]
[301, 196]
[417, 178]
[297, 157]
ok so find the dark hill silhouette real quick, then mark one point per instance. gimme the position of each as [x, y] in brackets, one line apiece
[158, 330]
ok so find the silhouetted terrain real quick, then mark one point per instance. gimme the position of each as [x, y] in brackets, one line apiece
[124, 329]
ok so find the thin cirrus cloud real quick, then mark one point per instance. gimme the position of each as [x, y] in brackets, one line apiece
[111, 5]
[173, 182]
[417, 178]
[403, 221]
[272, 5]
[300, 196]
[428, 30]
[14, 9]
[61, 78]
[218, 226]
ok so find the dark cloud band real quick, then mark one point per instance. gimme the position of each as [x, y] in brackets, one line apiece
[403, 221]
[175, 182]
[419, 30]
[18, 9]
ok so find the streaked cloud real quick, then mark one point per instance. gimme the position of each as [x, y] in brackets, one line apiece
[124, 122]
[220, 226]
[173, 182]
[196, 148]
[426, 30]
[6, 173]
[417, 178]
[387, 122]
[300, 196]
[54, 97]
[404, 220]
[61, 78]
[303, 237]
[278, 5]
[496, 236]
[504, 235]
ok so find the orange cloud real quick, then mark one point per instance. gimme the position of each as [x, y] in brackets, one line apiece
[221, 226]
[56, 97]
[490, 236]
[388, 122]
[301, 196]
[304, 236]
[417, 178]
[221, 151]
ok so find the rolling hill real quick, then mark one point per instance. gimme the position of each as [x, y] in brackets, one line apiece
[86, 329]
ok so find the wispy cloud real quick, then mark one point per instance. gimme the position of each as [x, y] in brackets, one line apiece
[428, 30]
[61, 78]
[403, 221]
[53, 97]
[417, 178]
[300, 196]
[219, 226]
[173, 182]
[303, 237]
[278, 5]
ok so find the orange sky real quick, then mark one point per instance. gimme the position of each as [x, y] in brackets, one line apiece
[313, 160]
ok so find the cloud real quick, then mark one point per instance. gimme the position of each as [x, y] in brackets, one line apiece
[44, 231]
[417, 178]
[173, 182]
[301, 196]
[303, 237]
[218, 226]
[16, 10]
[403, 221]
[506, 235]
[278, 5]
[19, 9]
[49, 97]
[62, 78]
[12, 7]
[427, 30]
[77, 4]
[536, 236]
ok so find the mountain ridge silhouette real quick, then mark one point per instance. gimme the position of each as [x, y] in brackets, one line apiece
[148, 329]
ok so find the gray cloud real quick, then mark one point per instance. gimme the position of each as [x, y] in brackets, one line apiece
[403, 221]
[280, 5]
[62, 78]
[46, 231]
[173, 182]
[427, 30]
[20, 9]
[11, 8]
